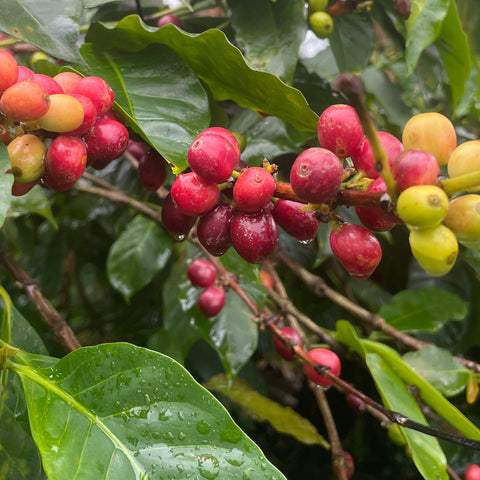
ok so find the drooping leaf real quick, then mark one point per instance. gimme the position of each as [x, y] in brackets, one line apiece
[439, 368]
[122, 411]
[140, 252]
[219, 64]
[271, 38]
[50, 25]
[6, 182]
[35, 201]
[283, 419]
[426, 309]
[160, 96]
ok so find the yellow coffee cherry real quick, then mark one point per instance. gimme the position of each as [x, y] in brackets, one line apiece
[463, 218]
[465, 159]
[27, 158]
[64, 114]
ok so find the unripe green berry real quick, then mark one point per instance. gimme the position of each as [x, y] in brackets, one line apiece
[318, 5]
[321, 24]
[422, 206]
[27, 154]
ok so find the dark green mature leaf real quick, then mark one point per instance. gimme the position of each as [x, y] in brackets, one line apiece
[50, 25]
[161, 97]
[283, 419]
[119, 411]
[140, 252]
[352, 41]
[426, 309]
[439, 368]
[218, 63]
[35, 201]
[6, 182]
[271, 37]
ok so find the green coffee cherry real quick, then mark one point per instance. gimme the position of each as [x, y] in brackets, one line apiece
[463, 218]
[318, 5]
[321, 24]
[422, 206]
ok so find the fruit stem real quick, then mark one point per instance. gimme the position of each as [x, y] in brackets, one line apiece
[235, 174]
[352, 87]
[461, 183]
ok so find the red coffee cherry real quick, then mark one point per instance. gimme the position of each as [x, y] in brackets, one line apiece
[213, 229]
[48, 83]
[297, 223]
[472, 472]
[212, 300]
[89, 116]
[152, 170]
[8, 70]
[67, 80]
[350, 466]
[25, 101]
[414, 167]
[106, 140]
[324, 357]
[253, 189]
[295, 339]
[167, 19]
[202, 273]
[98, 91]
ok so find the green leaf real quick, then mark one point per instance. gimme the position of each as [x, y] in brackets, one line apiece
[426, 309]
[6, 182]
[140, 252]
[161, 97]
[263, 409]
[121, 411]
[52, 26]
[35, 201]
[271, 38]
[439, 368]
[352, 41]
[219, 64]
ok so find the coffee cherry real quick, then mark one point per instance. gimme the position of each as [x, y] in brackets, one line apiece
[194, 195]
[422, 206]
[173, 19]
[213, 229]
[89, 116]
[233, 138]
[293, 337]
[463, 218]
[8, 70]
[323, 357]
[472, 472]
[27, 154]
[24, 73]
[414, 167]
[106, 140]
[357, 249]
[465, 159]
[318, 5]
[202, 273]
[266, 278]
[340, 130]
[350, 466]
[64, 114]
[65, 161]
[253, 189]
[435, 249]
[297, 223]
[177, 223]
[321, 24]
[151, 170]
[212, 156]
[48, 83]
[363, 157]
[25, 101]
[254, 235]
[356, 403]
[316, 175]
[432, 132]
[67, 80]
[212, 300]
[98, 91]
[374, 218]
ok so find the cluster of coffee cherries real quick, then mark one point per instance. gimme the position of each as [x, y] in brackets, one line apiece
[54, 127]
[202, 273]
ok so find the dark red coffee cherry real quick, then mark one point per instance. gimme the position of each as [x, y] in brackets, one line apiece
[202, 273]
[297, 223]
[89, 116]
[152, 170]
[213, 229]
[212, 300]
[106, 140]
[177, 223]
[137, 149]
[282, 349]
[253, 189]
[254, 235]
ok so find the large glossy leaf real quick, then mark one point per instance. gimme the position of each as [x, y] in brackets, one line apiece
[161, 97]
[120, 411]
[50, 25]
[6, 182]
[426, 309]
[271, 38]
[35, 201]
[140, 252]
[439, 368]
[283, 419]
[218, 63]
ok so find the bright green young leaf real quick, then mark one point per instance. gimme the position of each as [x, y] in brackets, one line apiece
[6, 182]
[425, 309]
[35, 201]
[50, 26]
[271, 38]
[120, 411]
[218, 63]
[140, 252]
[160, 96]
[439, 368]
[283, 419]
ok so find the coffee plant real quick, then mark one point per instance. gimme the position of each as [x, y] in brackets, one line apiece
[239, 239]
